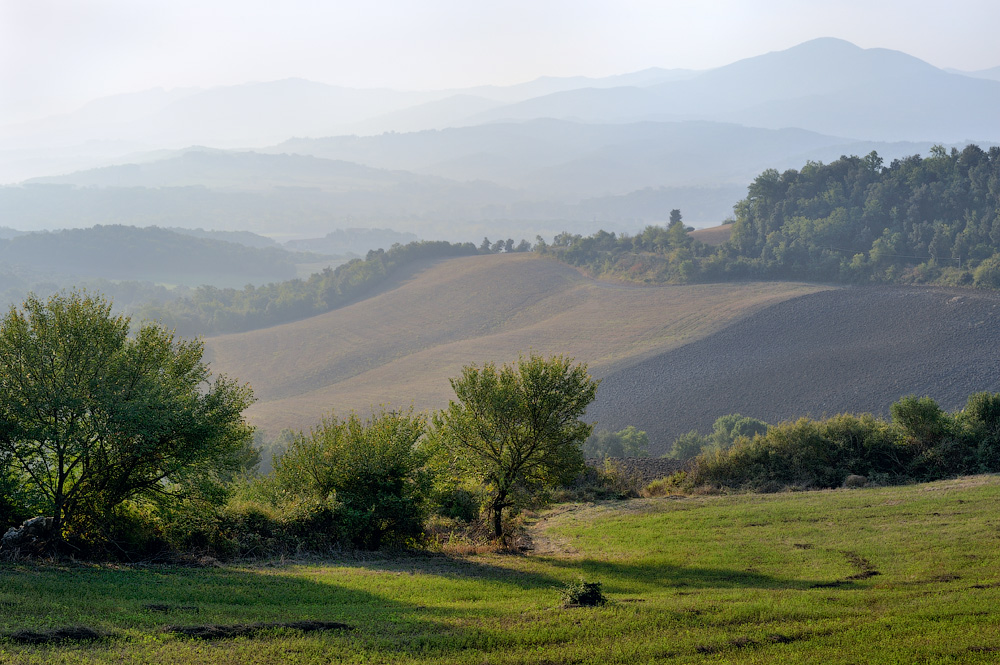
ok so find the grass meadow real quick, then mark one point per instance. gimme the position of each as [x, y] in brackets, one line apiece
[887, 575]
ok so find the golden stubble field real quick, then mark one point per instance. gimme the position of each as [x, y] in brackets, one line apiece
[401, 346]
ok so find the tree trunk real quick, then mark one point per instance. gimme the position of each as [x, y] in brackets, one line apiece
[498, 525]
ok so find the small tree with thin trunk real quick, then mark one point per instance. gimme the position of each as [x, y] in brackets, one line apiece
[517, 428]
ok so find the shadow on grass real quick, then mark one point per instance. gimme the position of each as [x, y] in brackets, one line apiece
[473, 567]
[56, 604]
[615, 574]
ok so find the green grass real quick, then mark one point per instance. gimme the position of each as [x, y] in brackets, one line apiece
[895, 575]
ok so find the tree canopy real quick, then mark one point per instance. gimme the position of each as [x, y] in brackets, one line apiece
[92, 416]
[918, 220]
[517, 428]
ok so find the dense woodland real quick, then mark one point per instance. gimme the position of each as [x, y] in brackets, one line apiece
[917, 220]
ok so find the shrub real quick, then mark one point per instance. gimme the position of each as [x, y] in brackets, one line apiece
[583, 594]
[804, 454]
[361, 479]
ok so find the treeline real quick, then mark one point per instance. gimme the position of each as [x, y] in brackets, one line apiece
[917, 220]
[920, 442]
[210, 310]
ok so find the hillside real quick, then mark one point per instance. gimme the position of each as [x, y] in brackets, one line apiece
[150, 254]
[401, 346]
[834, 351]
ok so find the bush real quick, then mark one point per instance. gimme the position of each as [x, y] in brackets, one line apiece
[583, 594]
[804, 454]
[629, 442]
[361, 478]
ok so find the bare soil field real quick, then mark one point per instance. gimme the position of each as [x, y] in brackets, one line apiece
[401, 346]
[715, 235]
[844, 350]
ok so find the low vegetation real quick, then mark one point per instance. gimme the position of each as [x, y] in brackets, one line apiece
[920, 442]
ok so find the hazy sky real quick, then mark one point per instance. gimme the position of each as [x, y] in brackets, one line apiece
[57, 54]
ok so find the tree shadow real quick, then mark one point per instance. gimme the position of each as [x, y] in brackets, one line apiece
[141, 602]
[614, 574]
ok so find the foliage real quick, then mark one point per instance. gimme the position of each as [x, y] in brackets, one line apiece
[629, 442]
[517, 428]
[91, 417]
[855, 220]
[580, 593]
[921, 442]
[368, 472]
[725, 430]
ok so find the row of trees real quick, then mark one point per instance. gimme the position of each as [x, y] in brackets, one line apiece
[107, 433]
[917, 220]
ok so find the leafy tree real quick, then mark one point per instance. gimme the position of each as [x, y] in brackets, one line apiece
[629, 442]
[91, 417]
[687, 446]
[517, 428]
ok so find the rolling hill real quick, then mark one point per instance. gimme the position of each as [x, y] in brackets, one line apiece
[401, 346]
[829, 352]
[671, 359]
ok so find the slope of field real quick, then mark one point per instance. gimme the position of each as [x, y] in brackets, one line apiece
[400, 347]
[835, 351]
[715, 235]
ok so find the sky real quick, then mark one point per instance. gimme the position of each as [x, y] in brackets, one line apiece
[55, 55]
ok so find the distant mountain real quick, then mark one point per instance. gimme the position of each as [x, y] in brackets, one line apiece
[245, 238]
[352, 241]
[254, 114]
[993, 74]
[238, 170]
[555, 153]
[825, 85]
[537, 177]
[559, 158]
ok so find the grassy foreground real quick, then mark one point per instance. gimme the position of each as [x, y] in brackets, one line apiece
[894, 575]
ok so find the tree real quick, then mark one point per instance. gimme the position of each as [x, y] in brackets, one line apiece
[629, 442]
[91, 416]
[517, 429]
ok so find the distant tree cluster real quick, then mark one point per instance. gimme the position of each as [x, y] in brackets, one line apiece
[629, 442]
[917, 220]
[725, 431]
[503, 246]
[211, 310]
